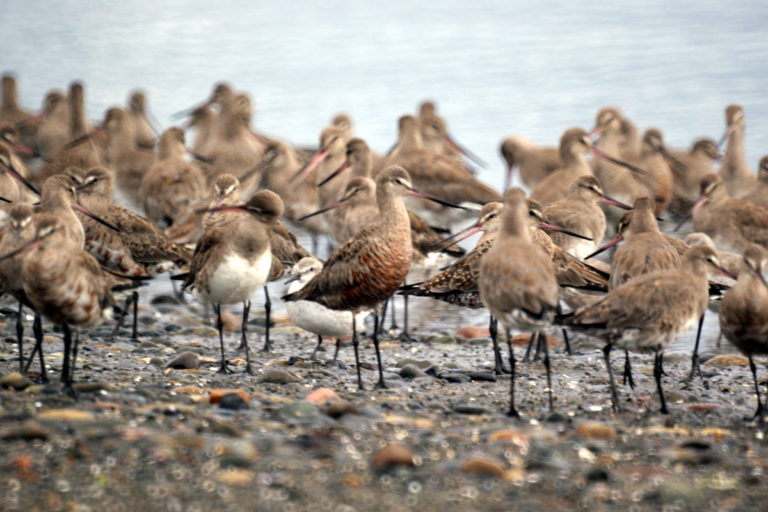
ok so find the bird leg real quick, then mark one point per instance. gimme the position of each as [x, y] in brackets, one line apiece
[695, 366]
[20, 337]
[128, 301]
[317, 347]
[527, 355]
[567, 343]
[37, 329]
[381, 384]
[384, 309]
[657, 371]
[543, 341]
[512, 410]
[405, 336]
[336, 352]
[498, 364]
[355, 345]
[614, 393]
[760, 412]
[244, 336]
[393, 325]
[66, 369]
[627, 379]
[539, 341]
[268, 310]
[220, 326]
[134, 330]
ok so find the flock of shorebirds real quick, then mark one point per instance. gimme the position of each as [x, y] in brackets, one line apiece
[215, 209]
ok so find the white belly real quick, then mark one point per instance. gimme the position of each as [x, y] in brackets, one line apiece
[235, 279]
[318, 319]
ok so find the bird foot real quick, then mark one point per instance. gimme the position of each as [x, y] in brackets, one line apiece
[512, 413]
[249, 369]
[267, 347]
[225, 370]
[404, 337]
[381, 385]
[69, 390]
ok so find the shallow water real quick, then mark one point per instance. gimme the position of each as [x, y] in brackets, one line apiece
[502, 68]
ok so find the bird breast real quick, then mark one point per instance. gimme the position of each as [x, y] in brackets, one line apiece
[235, 279]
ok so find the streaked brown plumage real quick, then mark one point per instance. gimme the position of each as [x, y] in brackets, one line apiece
[688, 169]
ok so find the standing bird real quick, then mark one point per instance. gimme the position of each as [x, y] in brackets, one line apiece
[649, 312]
[533, 163]
[370, 267]
[737, 176]
[314, 317]
[233, 259]
[575, 143]
[759, 193]
[744, 312]
[143, 131]
[517, 282]
[688, 170]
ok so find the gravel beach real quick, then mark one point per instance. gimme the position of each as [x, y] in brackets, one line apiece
[298, 435]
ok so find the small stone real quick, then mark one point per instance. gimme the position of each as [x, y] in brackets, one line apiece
[65, 415]
[469, 332]
[411, 371]
[338, 408]
[233, 401]
[217, 394]
[301, 413]
[468, 408]
[724, 360]
[231, 321]
[202, 331]
[189, 390]
[522, 340]
[394, 454]
[92, 387]
[421, 363]
[277, 375]
[597, 474]
[481, 376]
[596, 430]
[234, 477]
[27, 431]
[15, 380]
[483, 465]
[322, 396]
[455, 377]
[185, 361]
[703, 407]
[511, 436]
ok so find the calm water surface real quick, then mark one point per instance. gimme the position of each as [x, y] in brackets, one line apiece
[495, 68]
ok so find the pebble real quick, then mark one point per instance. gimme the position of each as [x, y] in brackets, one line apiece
[93, 387]
[596, 430]
[234, 477]
[411, 371]
[481, 376]
[276, 375]
[233, 401]
[185, 361]
[420, 363]
[321, 396]
[468, 408]
[15, 380]
[455, 377]
[301, 413]
[483, 465]
[523, 340]
[26, 431]
[392, 455]
[231, 321]
[202, 331]
[725, 360]
[511, 436]
[469, 332]
[65, 415]
[217, 394]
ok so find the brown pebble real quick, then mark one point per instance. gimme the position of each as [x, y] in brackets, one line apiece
[26, 431]
[596, 430]
[231, 321]
[394, 454]
[66, 415]
[322, 395]
[703, 407]
[15, 380]
[724, 360]
[483, 465]
[521, 340]
[234, 477]
[216, 394]
[470, 332]
[185, 361]
[189, 390]
[510, 436]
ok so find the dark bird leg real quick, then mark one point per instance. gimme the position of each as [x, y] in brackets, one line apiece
[128, 301]
[220, 326]
[134, 330]
[336, 351]
[540, 340]
[317, 347]
[384, 310]
[66, 369]
[614, 393]
[545, 348]
[760, 412]
[244, 336]
[628, 371]
[20, 337]
[268, 310]
[356, 346]
[657, 371]
[498, 364]
[393, 325]
[37, 329]
[527, 355]
[567, 343]
[405, 335]
[512, 410]
[376, 319]
[695, 366]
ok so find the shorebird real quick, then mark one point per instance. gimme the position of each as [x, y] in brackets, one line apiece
[744, 313]
[314, 317]
[143, 131]
[436, 175]
[533, 163]
[649, 312]
[370, 267]
[13, 186]
[579, 212]
[437, 138]
[172, 184]
[53, 131]
[129, 163]
[233, 259]
[64, 284]
[731, 222]
[688, 169]
[759, 193]
[735, 171]
[324, 162]
[80, 152]
[575, 143]
[517, 282]
[10, 111]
